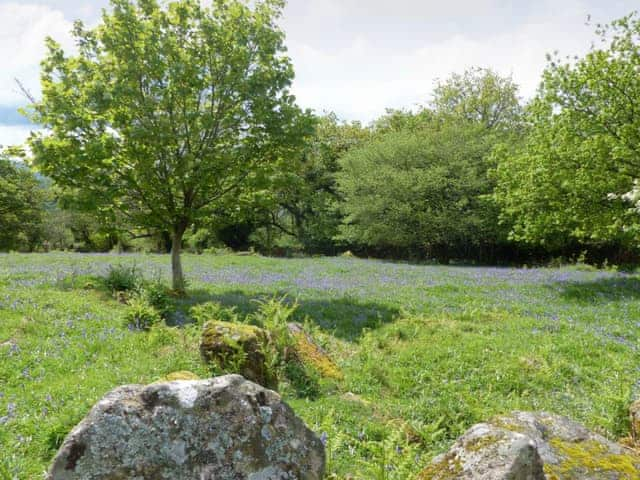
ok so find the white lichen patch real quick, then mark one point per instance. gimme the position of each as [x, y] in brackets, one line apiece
[185, 392]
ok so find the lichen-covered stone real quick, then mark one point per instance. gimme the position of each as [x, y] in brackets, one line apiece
[534, 446]
[488, 453]
[239, 348]
[225, 428]
[309, 353]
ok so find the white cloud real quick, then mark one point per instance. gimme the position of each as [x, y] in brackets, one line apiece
[14, 134]
[23, 28]
[355, 57]
[363, 78]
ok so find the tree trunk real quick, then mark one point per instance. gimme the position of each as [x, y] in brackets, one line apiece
[176, 263]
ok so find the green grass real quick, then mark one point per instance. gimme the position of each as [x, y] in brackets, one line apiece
[426, 351]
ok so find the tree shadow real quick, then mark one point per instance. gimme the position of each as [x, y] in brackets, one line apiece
[345, 318]
[603, 290]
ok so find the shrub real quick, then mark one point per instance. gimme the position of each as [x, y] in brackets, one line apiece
[305, 381]
[141, 315]
[122, 278]
[273, 315]
[204, 312]
[156, 294]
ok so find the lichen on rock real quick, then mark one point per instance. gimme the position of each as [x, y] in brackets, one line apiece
[225, 428]
[306, 351]
[488, 453]
[238, 348]
[534, 446]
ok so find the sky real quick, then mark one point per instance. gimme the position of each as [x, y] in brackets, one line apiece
[352, 57]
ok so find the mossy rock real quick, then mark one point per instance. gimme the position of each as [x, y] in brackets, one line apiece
[572, 452]
[238, 348]
[307, 352]
[534, 446]
[485, 452]
[591, 459]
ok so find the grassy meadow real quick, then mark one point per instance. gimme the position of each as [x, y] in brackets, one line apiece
[426, 351]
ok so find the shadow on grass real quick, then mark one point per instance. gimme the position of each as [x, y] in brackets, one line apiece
[345, 318]
[600, 291]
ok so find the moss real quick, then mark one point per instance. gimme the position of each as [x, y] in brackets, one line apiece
[181, 375]
[311, 355]
[593, 457]
[507, 424]
[481, 442]
[237, 331]
[238, 348]
[449, 468]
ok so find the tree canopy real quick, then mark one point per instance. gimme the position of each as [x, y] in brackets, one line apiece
[479, 95]
[166, 111]
[171, 125]
[581, 156]
[422, 184]
[420, 191]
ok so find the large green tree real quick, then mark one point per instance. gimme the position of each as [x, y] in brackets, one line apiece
[420, 193]
[421, 186]
[567, 182]
[167, 111]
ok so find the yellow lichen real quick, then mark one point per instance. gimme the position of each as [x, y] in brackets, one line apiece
[181, 375]
[310, 354]
[590, 456]
[449, 468]
[478, 443]
[549, 474]
[507, 424]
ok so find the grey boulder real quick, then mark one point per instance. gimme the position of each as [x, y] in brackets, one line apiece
[225, 428]
[533, 446]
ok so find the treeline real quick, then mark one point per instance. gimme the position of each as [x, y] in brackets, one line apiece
[475, 175]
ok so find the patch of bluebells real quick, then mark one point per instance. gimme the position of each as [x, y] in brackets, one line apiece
[11, 413]
[537, 293]
[14, 349]
[351, 274]
[243, 276]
